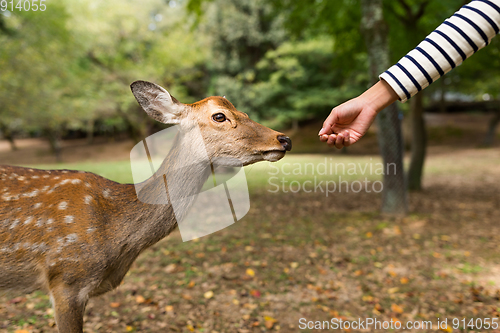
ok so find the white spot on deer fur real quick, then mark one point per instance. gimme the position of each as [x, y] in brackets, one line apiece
[56, 177]
[31, 194]
[89, 230]
[62, 205]
[35, 177]
[76, 181]
[87, 184]
[37, 205]
[42, 247]
[71, 238]
[87, 199]
[50, 221]
[21, 178]
[45, 188]
[69, 219]
[39, 222]
[65, 171]
[106, 193]
[15, 223]
[30, 170]
[64, 182]
[46, 176]
[28, 220]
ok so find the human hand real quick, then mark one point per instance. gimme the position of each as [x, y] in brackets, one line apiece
[348, 122]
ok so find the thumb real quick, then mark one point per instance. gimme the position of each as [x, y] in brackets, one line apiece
[329, 123]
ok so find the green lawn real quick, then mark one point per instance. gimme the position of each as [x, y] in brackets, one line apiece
[297, 168]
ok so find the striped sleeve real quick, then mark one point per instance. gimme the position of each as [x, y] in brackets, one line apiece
[456, 39]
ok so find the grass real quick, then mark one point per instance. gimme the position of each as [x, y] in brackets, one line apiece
[298, 168]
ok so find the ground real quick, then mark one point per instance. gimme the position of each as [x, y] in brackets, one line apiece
[306, 255]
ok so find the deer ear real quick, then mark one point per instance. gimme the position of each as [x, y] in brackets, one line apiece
[157, 102]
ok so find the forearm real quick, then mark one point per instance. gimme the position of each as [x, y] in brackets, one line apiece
[379, 96]
[460, 36]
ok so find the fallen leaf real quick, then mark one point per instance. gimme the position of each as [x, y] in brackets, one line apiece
[404, 280]
[250, 272]
[169, 308]
[115, 304]
[393, 290]
[255, 293]
[140, 299]
[209, 294]
[22, 331]
[396, 308]
[170, 268]
[129, 328]
[269, 322]
[191, 284]
[369, 234]
[367, 298]
[17, 300]
[294, 264]
[446, 329]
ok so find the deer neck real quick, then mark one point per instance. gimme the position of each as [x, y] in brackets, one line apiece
[185, 169]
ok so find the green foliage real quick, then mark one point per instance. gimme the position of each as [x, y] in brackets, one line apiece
[296, 81]
[74, 62]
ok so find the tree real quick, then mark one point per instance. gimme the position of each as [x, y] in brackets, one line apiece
[389, 125]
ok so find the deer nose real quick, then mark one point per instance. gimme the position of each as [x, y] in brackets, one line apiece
[285, 142]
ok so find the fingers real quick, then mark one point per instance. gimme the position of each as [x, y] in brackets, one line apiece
[337, 140]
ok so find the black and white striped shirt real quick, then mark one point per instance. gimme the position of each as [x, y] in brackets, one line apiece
[457, 38]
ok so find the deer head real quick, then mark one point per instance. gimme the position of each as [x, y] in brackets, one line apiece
[226, 132]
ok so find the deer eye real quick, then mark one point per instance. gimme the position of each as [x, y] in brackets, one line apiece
[219, 117]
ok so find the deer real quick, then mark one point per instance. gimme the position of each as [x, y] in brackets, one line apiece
[75, 234]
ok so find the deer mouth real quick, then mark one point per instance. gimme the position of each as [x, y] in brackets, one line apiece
[273, 155]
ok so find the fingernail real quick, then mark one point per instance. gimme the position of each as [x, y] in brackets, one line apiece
[320, 131]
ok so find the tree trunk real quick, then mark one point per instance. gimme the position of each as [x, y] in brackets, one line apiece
[8, 135]
[418, 143]
[490, 136]
[90, 131]
[54, 137]
[394, 194]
